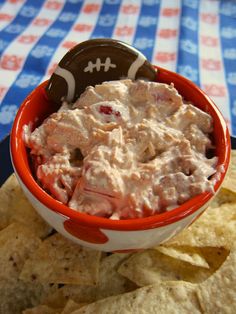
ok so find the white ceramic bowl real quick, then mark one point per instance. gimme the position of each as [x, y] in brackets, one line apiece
[102, 233]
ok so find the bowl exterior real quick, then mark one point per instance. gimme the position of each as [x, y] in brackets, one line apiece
[104, 234]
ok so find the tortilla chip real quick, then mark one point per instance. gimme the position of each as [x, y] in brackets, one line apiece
[216, 228]
[41, 309]
[193, 272]
[71, 306]
[187, 254]
[59, 260]
[223, 196]
[17, 243]
[218, 293]
[171, 297]
[230, 179]
[214, 256]
[14, 207]
[110, 283]
[151, 267]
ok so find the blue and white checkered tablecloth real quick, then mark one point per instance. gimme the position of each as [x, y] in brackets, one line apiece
[196, 38]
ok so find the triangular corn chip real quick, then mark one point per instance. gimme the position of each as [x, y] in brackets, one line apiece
[110, 283]
[151, 267]
[187, 254]
[165, 298]
[14, 207]
[17, 243]
[218, 293]
[71, 306]
[59, 260]
[216, 228]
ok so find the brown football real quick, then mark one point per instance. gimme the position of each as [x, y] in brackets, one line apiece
[93, 62]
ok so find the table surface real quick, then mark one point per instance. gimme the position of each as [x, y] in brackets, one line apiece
[196, 38]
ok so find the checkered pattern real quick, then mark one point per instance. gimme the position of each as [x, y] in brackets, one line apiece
[196, 38]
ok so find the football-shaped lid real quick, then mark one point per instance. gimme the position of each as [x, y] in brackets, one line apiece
[93, 62]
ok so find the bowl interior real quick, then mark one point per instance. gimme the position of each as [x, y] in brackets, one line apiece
[37, 107]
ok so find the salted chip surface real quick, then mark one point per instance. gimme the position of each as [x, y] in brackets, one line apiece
[171, 297]
[187, 254]
[14, 207]
[59, 260]
[151, 266]
[17, 243]
[215, 256]
[110, 283]
[224, 196]
[71, 306]
[41, 309]
[218, 293]
[205, 255]
[230, 179]
[216, 228]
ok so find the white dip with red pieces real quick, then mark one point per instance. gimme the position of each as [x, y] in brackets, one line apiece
[124, 150]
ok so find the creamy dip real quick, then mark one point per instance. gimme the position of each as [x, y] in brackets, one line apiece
[124, 150]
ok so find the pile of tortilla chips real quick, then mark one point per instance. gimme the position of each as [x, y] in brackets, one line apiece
[41, 272]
